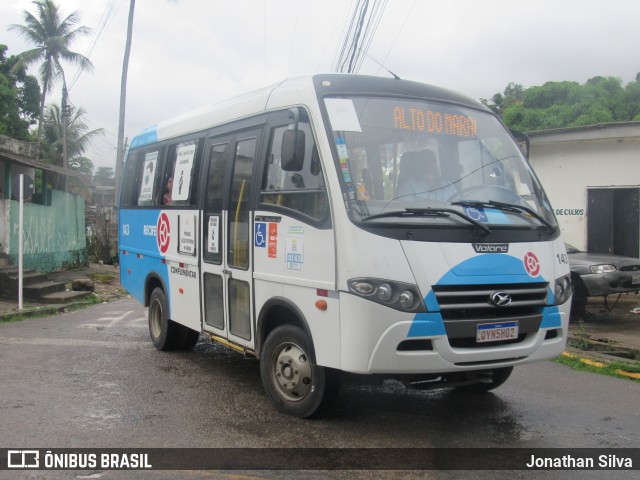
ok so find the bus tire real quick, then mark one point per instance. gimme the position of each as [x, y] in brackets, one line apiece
[293, 384]
[500, 375]
[188, 338]
[162, 330]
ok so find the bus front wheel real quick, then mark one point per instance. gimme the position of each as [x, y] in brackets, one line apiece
[294, 385]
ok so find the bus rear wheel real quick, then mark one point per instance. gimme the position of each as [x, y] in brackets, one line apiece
[188, 338]
[162, 330]
[294, 385]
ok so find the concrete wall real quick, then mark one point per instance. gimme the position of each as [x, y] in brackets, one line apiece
[54, 236]
[568, 162]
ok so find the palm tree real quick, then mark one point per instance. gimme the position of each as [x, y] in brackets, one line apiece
[52, 35]
[79, 137]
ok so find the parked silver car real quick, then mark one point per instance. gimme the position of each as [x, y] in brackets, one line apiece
[600, 274]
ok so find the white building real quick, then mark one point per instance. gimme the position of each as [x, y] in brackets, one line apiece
[592, 177]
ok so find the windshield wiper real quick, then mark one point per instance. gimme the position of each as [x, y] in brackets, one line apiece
[507, 207]
[429, 212]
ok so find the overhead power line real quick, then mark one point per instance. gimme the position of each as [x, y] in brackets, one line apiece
[384, 61]
[357, 37]
[108, 14]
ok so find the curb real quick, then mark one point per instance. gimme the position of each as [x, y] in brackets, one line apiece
[602, 346]
[32, 312]
[598, 364]
[47, 310]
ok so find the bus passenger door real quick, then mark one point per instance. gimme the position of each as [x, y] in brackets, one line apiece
[227, 261]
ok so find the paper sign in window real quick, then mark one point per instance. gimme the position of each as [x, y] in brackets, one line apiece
[342, 114]
[148, 178]
[213, 245]
[185, 154]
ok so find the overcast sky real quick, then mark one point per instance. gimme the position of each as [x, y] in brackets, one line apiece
[191, 53]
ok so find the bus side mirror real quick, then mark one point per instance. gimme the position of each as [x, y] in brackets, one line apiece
[293, 150]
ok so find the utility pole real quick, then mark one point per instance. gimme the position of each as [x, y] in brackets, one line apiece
[66, 114]
[123, 101]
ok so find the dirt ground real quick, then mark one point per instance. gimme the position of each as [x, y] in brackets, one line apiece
[612, 327]
[106, 280]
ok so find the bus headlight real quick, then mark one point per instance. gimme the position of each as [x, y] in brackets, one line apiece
[563, 289]
[406, 299]
[385, 292]
[397, 295]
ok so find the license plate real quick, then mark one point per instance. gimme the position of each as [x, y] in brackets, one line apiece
[496, 332]
[635, 279]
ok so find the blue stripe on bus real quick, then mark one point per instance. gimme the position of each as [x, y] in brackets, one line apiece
[473, 271]
[135, 269]
[147, 136]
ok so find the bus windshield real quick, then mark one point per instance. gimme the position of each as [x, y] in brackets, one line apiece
[398, 156]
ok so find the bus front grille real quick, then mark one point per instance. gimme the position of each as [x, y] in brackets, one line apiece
[464, 307]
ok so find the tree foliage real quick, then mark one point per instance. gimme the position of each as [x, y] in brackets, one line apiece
[79, 137]
[104, 176]
[567, 104]
[52, 36]
[19, 98]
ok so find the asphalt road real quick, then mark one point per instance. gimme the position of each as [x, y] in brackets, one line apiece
[92, 379]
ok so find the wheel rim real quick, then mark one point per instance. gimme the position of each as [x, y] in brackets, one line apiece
[291, 372]
[155, 319]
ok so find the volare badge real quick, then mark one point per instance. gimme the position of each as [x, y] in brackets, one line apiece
[491, 247]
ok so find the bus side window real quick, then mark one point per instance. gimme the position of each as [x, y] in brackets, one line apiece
[213, 202]
[303, 191]
[130, 181]
[166, 181]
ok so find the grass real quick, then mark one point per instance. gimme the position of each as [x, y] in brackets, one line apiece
[614, 369]
[103, 277]
[48, 310]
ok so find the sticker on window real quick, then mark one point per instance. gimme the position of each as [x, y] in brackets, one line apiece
[187, 234]
[294, 248]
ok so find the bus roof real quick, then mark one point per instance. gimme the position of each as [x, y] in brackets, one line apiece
[292, 92]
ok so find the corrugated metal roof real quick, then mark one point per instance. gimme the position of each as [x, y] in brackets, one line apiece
[30, 162]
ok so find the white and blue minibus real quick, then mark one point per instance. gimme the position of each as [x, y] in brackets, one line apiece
[343, 223]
